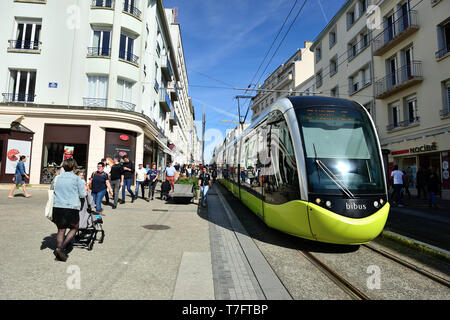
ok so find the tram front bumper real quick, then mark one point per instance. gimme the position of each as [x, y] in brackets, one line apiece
[331, 227]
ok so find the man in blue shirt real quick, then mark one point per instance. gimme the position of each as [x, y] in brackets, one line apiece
[170, 174]
[19, 178]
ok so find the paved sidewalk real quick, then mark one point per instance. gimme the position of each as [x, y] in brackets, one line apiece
[150, 252]
[154, 250]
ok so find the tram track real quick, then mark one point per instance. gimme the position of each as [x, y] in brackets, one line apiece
[426, 273]
[343, 284]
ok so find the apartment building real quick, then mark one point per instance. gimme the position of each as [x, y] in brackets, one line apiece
[343, 65]
[411, 50]
[88, 80]
[283, 81]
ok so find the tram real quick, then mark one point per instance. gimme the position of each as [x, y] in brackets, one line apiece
[311, 167]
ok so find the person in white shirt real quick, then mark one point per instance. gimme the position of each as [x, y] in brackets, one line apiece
[141, 176]
[397, 182]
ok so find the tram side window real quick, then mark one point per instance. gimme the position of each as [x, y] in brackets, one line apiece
[260, 160]
[248, 162]
[281, 183]
[235, 162]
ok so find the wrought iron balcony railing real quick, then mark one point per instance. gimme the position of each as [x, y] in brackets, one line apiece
[129, 56]
[124, 105]
[95, 102]
[99, 52]
[24, 45]
[401, 28]
[445, 112]
[18, 97]
[400, 78]
[131, 9]
[102, 3]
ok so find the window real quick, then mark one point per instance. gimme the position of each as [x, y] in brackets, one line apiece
[97, 91]
[394, 115]
[335, 92]
[124, 89]
[391, 73]
[353, 84]
[27, 34]
[101, 43]
[443, 33]
[333, 66]
[318, 53]
[332, 37]
[352, 49]
[365, 76]
[22, 84]
[389, 31]
[362, 7]
[364, 39]
[411, 110]
[319, 79]
[127, 48]
[280, 170]
[350, 18]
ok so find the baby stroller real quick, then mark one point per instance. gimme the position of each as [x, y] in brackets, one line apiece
[90, 225]
[165, 189]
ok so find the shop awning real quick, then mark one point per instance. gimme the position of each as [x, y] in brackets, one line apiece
[7, 120]
[164, 147]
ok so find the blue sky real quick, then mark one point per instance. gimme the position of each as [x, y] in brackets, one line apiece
[225, 42]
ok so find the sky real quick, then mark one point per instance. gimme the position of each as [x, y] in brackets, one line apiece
[225, 43]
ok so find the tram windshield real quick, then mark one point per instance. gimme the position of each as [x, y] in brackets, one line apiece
[341, 151]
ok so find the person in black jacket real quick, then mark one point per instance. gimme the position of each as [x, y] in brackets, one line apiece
[433, 187]
[116, 177]
[128, 175]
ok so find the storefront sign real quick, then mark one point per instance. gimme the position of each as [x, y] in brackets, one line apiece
[17, 148]
[424, 148]
[68, 152]
[124, 137]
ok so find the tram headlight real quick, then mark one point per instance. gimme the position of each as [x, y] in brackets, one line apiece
[318, 201]
[376, 204]
[328, 204]
[381, 201]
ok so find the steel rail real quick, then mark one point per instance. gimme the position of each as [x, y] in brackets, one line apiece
[346, 286]
[409, 265]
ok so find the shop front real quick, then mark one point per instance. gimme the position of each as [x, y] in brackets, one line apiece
[120, 143]
[426, 153]
[63, 142]
[15, 141]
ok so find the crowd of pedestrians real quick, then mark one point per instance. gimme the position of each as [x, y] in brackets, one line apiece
[427, 184]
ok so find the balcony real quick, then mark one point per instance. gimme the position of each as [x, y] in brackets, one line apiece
[283, 80]
[402, 78]
[166, 69]
[99, 52]
[123, 105]
[404, 124]
[25, 46]
[173, 119]
[402, 28]
[102, 4]
[164, 100]
[18, 98]
[410, 122]
[95, 102]
[131, 9]
[129, 57]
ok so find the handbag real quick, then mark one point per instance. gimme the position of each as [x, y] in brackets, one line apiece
[49, 206]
